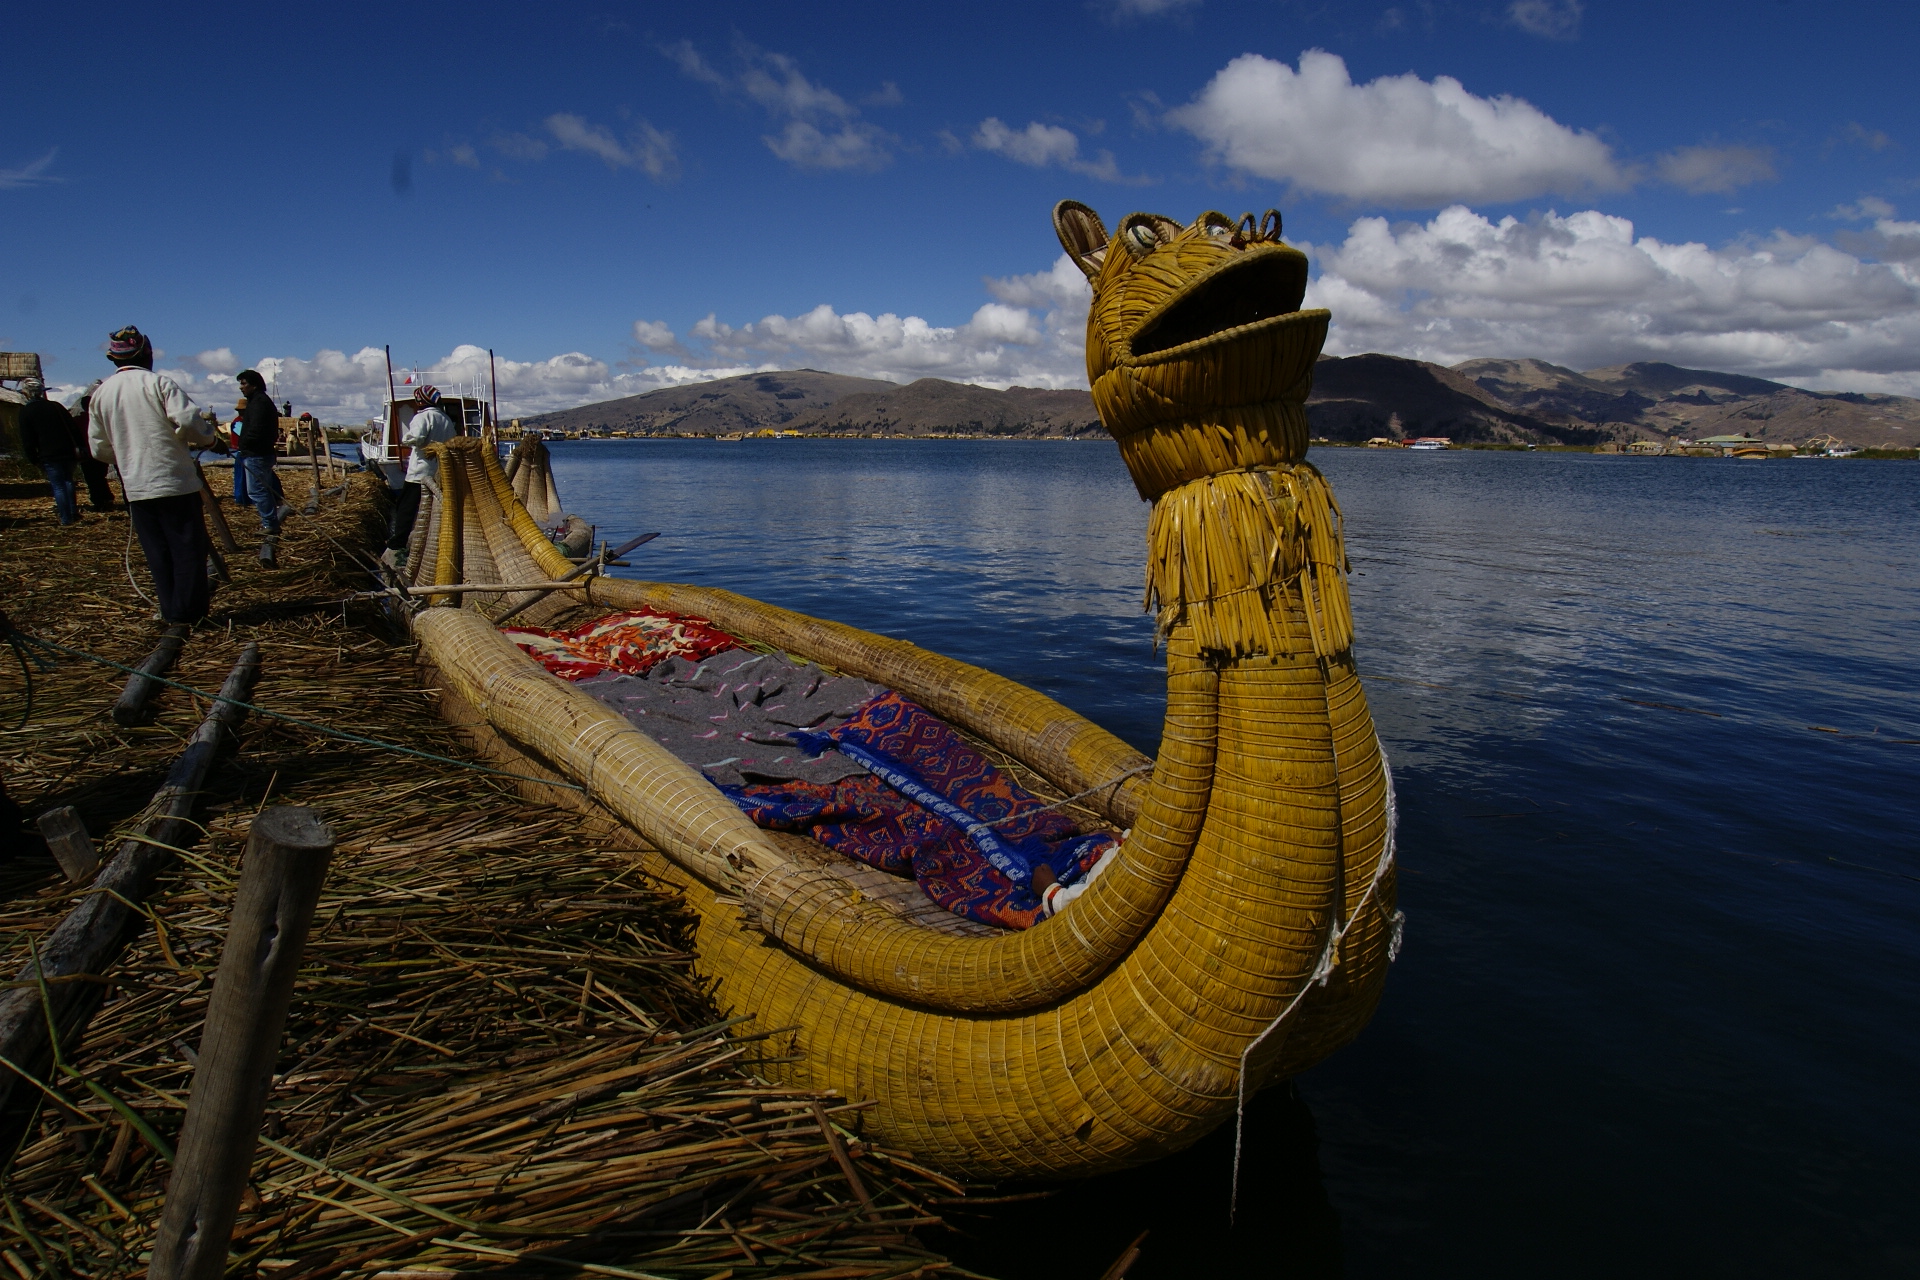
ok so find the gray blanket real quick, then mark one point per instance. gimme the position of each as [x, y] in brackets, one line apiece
[728, 715]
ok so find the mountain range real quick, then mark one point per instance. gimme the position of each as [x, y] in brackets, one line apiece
[1521, 401]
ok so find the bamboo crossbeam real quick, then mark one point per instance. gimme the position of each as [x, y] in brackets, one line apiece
[462, 588]
[133, 705]
[94, 933]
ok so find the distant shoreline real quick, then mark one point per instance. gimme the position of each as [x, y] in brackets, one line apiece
[1876, 455]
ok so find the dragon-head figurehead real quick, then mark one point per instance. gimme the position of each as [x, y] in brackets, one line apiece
[1198, 353]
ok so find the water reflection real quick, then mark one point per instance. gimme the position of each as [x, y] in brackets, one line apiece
[1655, 729]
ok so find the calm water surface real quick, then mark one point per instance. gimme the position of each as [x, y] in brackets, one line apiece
[1654, 729]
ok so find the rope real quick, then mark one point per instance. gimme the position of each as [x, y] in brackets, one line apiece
[126, 557]
[1322, 970]
[18, 637]
[1114, 781]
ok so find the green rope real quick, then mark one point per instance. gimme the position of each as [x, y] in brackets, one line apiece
[18, 637]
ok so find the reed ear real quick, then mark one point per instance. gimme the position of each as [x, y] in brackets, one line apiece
[1082, 235]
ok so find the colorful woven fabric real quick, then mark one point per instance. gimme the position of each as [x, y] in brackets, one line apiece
[874, 821]
[632, 643]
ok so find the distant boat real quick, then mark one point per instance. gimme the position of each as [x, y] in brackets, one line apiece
[1431, 444]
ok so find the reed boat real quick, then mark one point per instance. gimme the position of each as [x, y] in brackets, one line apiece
[1244, 928]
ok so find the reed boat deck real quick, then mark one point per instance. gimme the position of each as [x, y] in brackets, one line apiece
[497, 1046]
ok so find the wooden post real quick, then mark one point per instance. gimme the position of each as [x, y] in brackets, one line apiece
[132, 707]
[286, 863]
[92, 935]
[66, 835]
[313, 456]
[221, 529]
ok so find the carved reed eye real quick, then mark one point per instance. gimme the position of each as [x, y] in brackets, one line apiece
[1142, 239]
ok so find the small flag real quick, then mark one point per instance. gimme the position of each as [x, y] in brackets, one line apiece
[408, 382]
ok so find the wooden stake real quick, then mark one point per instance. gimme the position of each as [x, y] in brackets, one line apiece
[91, 936]
[133, 706]
[66, 835]
[313, 456]
[286, 863]
[221, 529]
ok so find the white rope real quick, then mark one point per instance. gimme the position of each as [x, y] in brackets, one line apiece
[1114, 781]
[126, 558]
[1322, 970]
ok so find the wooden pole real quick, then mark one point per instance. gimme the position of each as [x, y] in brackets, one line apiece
[286, 863]
[133, 706]
[221, 529]
[67, 838]
[592, 563]
[91, 936]
[313, 456]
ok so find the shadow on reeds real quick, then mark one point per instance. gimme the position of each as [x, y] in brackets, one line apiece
[1286, 1227]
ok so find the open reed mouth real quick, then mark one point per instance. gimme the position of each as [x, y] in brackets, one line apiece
[1245, 291]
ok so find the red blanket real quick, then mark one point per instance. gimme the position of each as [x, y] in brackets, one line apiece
[627, 642]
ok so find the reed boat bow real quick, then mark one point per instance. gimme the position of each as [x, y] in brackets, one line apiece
[1244, 930]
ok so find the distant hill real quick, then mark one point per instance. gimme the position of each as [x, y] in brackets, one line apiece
[1656, 401]
[934, 406]
[1354, 398]
[750, 402]
[1359, 397]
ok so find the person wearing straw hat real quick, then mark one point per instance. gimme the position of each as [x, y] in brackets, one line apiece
[46, 440]
[142, 422]
[428, 425]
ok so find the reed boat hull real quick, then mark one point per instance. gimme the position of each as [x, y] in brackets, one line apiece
[1106, 1037]
[1244, 929]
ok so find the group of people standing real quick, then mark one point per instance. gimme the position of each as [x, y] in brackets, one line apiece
[142, 424]
[54, 440]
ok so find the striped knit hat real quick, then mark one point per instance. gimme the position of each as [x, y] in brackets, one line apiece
[425, 395]
[128, 344]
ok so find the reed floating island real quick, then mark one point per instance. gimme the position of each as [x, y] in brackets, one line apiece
[1243, 930]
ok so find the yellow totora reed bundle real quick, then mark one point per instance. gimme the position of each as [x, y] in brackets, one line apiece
[1200, 361]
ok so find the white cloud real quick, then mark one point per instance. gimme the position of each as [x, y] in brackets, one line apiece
[1398, 141]
[1583, 290]
[1866, 207]
[855, 145]
[654, 335]
[32, 174]
[819, 129]
[999, 346]
[1121, 10]
[1889, 241]
[1040, 146]
[1551, 19]
[463, 154]
[1724, 170]
[1031, 334]
[518, 146]
[646, 148]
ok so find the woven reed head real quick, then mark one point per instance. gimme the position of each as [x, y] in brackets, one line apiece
[1198, 352]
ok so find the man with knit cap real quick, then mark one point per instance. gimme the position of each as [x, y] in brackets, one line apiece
[428, 425]
[46, 441]
[143, 422]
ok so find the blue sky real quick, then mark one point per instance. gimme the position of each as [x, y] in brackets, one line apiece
[617, 197]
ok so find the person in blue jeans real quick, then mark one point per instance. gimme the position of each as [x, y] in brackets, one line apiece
[259, 442]
[240, 498]
[46, 440]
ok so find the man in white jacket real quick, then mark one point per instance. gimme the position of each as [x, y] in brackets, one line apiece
[143, 422]
[428, 425]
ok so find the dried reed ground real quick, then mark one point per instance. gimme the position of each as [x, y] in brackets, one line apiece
[497, 1062]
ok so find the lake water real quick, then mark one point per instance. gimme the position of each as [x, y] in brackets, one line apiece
[1656, 731]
